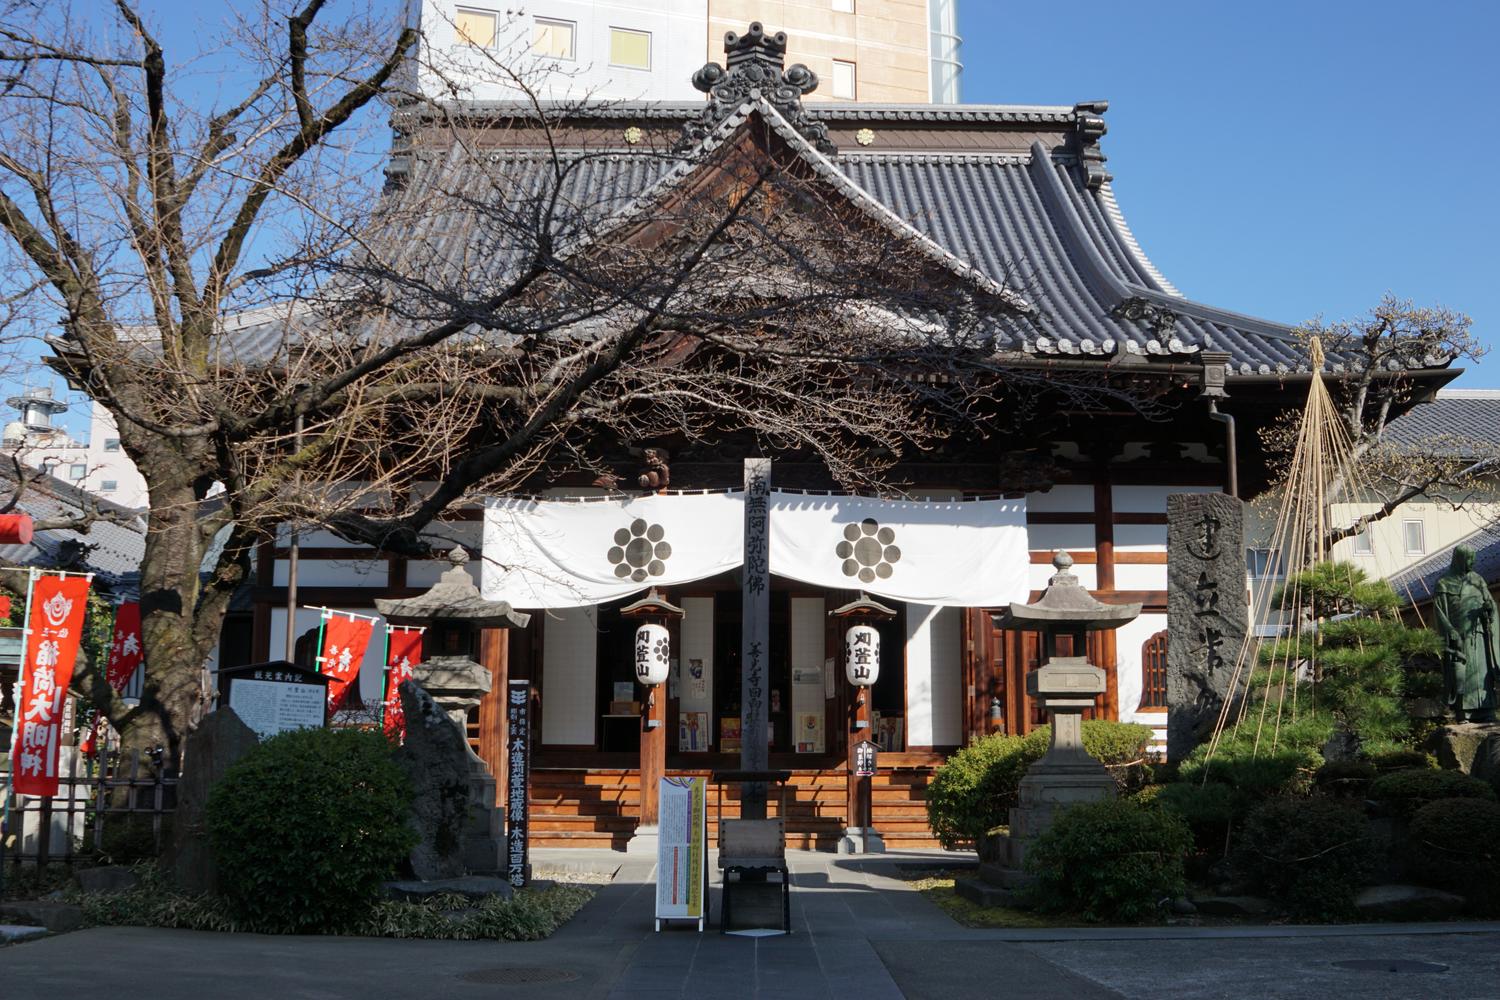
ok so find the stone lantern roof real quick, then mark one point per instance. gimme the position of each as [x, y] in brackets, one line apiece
[455, 598]
[1065, 606]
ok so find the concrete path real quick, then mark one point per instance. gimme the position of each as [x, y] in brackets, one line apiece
[859, 933]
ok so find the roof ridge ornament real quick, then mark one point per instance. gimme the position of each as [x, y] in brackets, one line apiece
[756, 68]
[1089, 126]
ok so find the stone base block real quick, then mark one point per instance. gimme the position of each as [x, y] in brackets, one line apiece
[985, 894]
[645, 841]
[861, 840]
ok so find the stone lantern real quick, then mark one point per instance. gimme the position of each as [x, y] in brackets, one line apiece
[453, 613]
[1067, 687]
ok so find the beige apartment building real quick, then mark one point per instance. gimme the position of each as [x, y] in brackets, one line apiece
[872, 51]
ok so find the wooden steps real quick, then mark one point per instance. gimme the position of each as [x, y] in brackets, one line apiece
[575, 807]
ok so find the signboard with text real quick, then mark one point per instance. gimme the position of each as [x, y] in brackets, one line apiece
[518, 775]
[275, 697]
[682, 850]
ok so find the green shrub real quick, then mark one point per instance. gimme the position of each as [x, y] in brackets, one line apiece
[973, 792]
[1400, 760]
[1344, 770]
[1113, 860]
[305, 828]
[1208, 810]
[1452, 846]
[1313, 854]
[1408, 790]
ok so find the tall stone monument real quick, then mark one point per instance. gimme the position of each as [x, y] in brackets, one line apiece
[1207, 612]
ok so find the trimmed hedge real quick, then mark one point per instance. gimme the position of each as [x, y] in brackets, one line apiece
[1452, 846]
[1208, 810]
[1313, 855]
[974, 791]
[306, 826]
[1408, 790]
[1114, 860]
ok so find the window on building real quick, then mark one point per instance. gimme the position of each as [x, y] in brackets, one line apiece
[1154, 673]
[1362, 543]
[77, 471]
[1416, 537]
[111, 444]
[109, 486]
[631, 49]
[475, 27]
[1263, 564]
[552, 38]
[843, 6]
[843, 79]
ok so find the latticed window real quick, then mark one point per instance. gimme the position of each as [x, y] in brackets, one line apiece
[1154, 672]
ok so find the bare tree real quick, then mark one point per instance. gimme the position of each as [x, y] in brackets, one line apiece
[265, 316]
[1373, 357]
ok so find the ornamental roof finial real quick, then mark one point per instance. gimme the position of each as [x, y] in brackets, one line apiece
[756, 69]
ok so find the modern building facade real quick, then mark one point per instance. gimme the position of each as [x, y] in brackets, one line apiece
[96, 465]
[888, 51]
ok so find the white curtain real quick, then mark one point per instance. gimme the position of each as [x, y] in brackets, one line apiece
[566, 553]
[966, 554]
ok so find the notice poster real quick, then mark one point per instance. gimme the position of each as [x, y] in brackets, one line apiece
[275, 701]
[682, 850]
[810, 732]
[692, 731]
[729, 734]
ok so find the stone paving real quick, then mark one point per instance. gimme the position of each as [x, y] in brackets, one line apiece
[858, 933]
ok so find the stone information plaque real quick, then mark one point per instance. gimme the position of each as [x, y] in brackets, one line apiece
[275, 701]
[1207, 612]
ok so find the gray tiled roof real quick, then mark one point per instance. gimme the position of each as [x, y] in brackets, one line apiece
[1458, 422]
[116, 547]
[1417, 583]
[1027, 219]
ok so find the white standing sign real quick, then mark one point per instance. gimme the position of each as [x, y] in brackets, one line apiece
[682, 851]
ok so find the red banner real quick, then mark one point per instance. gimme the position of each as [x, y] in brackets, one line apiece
[124, 646]
[344, 643]
[55, 624]
[405, 651]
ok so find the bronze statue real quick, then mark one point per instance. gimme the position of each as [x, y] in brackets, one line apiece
[1470, 626]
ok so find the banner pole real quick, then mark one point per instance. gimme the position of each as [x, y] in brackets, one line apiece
[385, 675]
[15, 733]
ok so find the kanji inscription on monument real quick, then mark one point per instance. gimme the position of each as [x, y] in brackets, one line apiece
[1207, 612]
[755, 651]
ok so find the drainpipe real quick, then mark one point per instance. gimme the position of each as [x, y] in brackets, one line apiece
[1213, 390]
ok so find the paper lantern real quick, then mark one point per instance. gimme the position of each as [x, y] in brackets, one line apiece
[15, 529]
[862, 655]
[653, 650]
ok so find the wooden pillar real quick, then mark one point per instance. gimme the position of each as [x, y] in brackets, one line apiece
[653, 752]
[494, 656]
[1104, 529]
[856, 789]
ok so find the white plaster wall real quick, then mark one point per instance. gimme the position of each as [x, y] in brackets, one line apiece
[1141, 537]
[697, 639]
[1128, 641]
[371, 669]
[1135, 576]
[1051, 537]
[1151, 499]
[1062, 498]
[934, 676]
[570, 650]
[807, 627]
[335, 572]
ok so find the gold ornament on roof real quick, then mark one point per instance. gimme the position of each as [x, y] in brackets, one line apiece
[864, 136]
[634, 134]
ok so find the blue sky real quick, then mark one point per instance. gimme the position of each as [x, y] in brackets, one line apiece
[1285, 159]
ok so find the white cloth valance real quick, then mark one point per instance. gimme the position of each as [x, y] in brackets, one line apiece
[567, 553]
